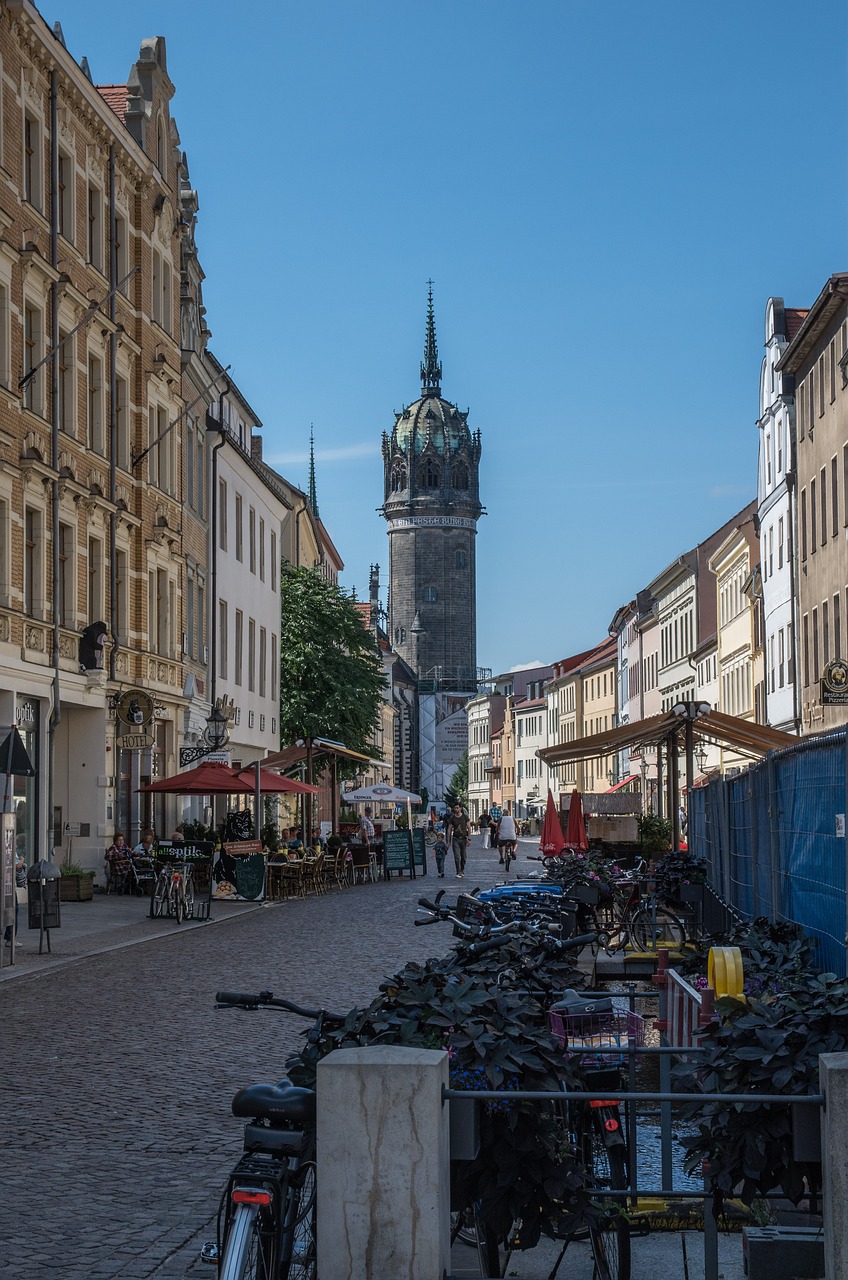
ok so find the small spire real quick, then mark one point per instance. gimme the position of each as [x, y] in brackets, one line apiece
[431, 370]
[313, 496]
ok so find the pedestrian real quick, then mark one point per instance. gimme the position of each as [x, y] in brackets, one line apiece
[457, 834]
[366, 828]
[493, 834]
[440, 852]
[20, 885]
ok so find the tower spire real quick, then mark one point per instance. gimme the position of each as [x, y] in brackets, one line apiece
[431, 369]
[313, 496]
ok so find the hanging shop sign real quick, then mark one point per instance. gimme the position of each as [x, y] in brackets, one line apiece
[834, 685]
[135, 710]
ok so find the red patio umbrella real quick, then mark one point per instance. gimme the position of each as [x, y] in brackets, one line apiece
[575, 828]
[205, 779]
[552, 838]
[274, 782]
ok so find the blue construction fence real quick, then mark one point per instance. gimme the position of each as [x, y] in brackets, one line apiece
[774, 840]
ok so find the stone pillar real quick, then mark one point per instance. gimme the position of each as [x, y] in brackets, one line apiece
[833, 1081]
[383, 1164]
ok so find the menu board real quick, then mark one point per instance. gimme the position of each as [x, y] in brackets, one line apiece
[396, 851]
[419, 849]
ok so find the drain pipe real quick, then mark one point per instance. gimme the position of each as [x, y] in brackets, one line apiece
[56, 709]
[113, 420]
[217, 426]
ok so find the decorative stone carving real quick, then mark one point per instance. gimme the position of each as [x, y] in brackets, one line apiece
[33, 638]
[5, 630]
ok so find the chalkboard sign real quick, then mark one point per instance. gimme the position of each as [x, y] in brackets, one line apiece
[396, 851]
[419, 849]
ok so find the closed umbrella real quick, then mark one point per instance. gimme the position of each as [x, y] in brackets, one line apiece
[552, 838]
[575, 828]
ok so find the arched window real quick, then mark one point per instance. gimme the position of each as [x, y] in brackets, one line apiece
[459, 560]
[431, 476]
[398, 479]
[460, 476]
[400, 635]
[429, 595]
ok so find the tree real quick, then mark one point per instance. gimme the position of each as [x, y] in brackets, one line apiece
[458, 786]
[331, 674]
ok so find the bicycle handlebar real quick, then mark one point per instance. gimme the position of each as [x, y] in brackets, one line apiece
[266, 999]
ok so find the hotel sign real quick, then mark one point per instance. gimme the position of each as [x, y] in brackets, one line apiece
[135, 709]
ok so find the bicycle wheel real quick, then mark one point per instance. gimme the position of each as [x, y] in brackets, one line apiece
[188, 894]
[178, 900]
[300, 1227]
[652, 927]
[160, 897]
[248, 1250]
[610, 1233]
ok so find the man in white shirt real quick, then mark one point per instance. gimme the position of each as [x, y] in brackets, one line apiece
[366, 828]
[507, 834]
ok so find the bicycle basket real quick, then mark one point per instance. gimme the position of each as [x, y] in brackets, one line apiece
[606, 1037]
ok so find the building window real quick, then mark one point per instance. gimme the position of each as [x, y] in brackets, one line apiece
[275, 568]
[459, 559]
[790, 654]
[803, 520]
[33, 166]
[825, 634]
[222, 639]
[251, 655]
[65, 581]
[94, 418]
[781, 658]
[65, 384]
[33, 581]
[239, 646]
[834, 496]
[263, 660]
[771, 550]
[121, 595]
[189, 631]
[813, 518]
[398, 479]
[163, 620]
[167, 297]
[200, 474]
[815, 640]
[837, 627]
[121, 253]
[823, 500]
[431, 476]
[33, 349]
[780, 543]
[65, 196]
[274, 668]
[95, 226]
[239, 530]
[768, 461]
[261, 549]
[95, 580]
[122, 423]
[201, 618]
[460, 476]
[429, 595]
[222, 514]
[251, 533]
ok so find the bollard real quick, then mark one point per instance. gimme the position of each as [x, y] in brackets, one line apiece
[833, 1080]
[383, 1164]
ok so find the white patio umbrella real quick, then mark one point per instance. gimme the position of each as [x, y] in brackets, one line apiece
[382, 793]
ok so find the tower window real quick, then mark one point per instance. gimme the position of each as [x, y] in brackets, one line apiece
[431, 476]
[429, 595]
[398, 479]
[400, 635]
[459, 559]
[460, 476]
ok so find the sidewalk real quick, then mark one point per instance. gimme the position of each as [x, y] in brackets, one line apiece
[106, 923]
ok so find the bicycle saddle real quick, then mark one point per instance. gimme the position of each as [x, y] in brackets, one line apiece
[573, 1003]
[276, 1103]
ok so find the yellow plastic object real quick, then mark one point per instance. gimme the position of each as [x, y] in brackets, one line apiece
[724, 972]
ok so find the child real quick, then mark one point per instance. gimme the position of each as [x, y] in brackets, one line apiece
[440, 852]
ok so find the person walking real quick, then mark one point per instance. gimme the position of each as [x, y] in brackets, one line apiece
[457, 838]
[440, 852]
[507, 835]
[493, 835]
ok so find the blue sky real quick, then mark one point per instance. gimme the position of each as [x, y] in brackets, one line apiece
[604, 195]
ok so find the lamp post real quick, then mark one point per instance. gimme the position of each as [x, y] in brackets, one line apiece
[688, 712]
[701, 757]
[216, 735]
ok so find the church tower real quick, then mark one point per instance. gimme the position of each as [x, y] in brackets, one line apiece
[431, 464]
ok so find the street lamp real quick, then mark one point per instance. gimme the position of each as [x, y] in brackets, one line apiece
[215, 736]
[701, 757]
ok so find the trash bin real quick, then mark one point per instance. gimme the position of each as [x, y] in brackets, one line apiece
[43, 896]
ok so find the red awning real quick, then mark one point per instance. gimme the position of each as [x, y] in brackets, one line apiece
[625, 782]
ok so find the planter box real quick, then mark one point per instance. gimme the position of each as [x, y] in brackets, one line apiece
[76, 888]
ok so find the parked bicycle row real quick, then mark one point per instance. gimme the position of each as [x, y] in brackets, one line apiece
[506, 1005]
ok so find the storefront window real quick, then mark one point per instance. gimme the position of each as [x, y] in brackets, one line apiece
[25, 790]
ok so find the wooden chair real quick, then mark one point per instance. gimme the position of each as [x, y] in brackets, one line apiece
[292, 881]
[274, 884]
[313, 874]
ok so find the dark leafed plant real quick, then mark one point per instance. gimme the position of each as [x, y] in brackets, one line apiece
[654, 834]
[766, 1046]
[496, 1039]
[675, 869]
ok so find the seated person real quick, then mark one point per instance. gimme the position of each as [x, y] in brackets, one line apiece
[118, 860]
[146, 847]
[178, 837]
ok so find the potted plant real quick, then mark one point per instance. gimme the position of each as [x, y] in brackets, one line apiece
[75, 885]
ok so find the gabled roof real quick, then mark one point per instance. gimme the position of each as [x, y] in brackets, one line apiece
[116, 96]
[795, 317]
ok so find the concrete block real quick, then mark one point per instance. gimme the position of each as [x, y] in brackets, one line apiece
[383, 1164]
[783, 1253]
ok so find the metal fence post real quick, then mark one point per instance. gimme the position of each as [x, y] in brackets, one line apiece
[710, 1230]
[833, 1080]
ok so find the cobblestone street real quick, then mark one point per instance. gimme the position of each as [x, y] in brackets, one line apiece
[119, 1072]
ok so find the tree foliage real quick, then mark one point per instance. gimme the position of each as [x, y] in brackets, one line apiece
[458, 786]
[331, 674]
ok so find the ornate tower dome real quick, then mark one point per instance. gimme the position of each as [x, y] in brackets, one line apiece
[431, 505]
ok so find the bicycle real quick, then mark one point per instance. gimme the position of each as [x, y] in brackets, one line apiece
[510, 854]
[173, 892]
[266, 1227]
[160, 899]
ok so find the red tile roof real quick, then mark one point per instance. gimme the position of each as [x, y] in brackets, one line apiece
[116, 95]
[795, 317]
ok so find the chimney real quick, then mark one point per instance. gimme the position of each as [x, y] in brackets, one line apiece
[256, 448]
